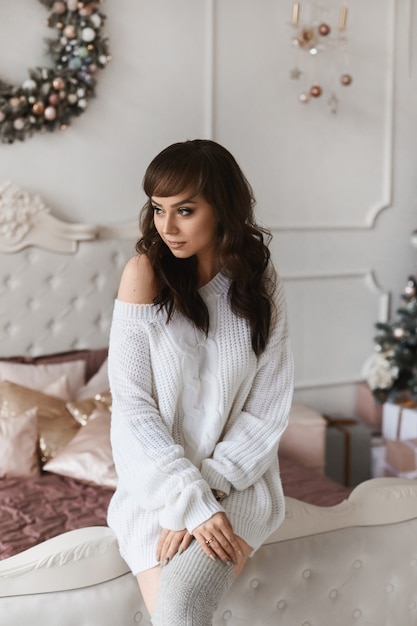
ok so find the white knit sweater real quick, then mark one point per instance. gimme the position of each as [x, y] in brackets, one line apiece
[192, 413]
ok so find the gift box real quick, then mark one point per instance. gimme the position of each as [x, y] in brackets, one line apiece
[399, 421]
[393, 473]
[378, 447]
[401, 456]
[348, 455]
[367, 409]
[304, 439]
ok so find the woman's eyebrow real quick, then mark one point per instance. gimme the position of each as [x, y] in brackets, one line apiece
[177, 204]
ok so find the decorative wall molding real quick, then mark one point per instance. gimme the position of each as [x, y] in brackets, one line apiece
[209, 69]
[387, 181]
[410, 51]
[311, 375]
[383, 296]
[370, 281]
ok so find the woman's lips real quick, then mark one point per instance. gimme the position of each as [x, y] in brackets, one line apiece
[175, 244]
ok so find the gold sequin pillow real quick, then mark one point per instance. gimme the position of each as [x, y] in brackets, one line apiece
[81, 410]
[19, 445]
[56, 425]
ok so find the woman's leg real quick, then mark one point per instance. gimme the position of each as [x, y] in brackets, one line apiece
[149, 581]
[191, 587]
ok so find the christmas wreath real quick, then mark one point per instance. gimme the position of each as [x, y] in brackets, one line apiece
[52, 96]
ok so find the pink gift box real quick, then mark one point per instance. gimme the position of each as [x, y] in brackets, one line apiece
[401, 455]
[367, 409]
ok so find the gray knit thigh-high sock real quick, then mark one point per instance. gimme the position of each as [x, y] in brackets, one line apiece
[191, 588]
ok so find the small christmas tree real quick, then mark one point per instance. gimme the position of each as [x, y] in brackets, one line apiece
[392, 371]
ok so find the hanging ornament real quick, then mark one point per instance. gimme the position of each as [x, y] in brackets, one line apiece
[295, 73]
[306, 38]
[316, 91]
[346, 79]
[324, 29]
[79, 49]
[333, 103]
[320, 47]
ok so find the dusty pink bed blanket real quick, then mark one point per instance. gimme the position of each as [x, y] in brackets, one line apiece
[35, 509]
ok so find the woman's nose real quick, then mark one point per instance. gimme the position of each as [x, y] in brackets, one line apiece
[170, 225]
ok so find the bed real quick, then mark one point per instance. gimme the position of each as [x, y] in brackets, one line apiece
[340, 557]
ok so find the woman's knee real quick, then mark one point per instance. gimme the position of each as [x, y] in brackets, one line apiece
[191, 588]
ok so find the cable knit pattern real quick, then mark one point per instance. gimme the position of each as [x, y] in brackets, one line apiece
[192, 413]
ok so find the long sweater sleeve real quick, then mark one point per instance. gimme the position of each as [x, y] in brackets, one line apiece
[249, 444]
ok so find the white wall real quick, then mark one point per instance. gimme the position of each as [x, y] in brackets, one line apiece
[337, 190]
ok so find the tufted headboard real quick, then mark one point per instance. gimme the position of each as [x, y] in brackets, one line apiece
[58, 280]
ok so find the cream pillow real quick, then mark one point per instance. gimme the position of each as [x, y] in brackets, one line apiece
[19, 445]
[58, 389]
[95, 385]
[88, 455]
[56, 425]
[38, 376]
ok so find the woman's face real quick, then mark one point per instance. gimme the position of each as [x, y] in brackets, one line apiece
[188, 227]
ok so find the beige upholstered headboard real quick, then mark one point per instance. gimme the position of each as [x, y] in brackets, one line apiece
[57, 280]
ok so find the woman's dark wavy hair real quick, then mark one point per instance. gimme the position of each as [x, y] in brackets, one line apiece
[205, 168]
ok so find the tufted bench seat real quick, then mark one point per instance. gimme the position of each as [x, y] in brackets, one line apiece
[353, 564]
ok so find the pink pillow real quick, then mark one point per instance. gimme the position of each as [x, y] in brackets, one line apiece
[56, 425]
[88, 456]
[39, 376]
[19, 445]
[96, 385]
[58, 389]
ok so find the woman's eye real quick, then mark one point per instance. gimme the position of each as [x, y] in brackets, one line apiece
[185, 211]
[156, 209]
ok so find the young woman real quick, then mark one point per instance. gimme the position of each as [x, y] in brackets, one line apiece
[201, 377]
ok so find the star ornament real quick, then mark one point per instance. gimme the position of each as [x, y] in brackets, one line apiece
[295, 73]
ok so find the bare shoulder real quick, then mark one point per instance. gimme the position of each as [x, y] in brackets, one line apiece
[137, 284]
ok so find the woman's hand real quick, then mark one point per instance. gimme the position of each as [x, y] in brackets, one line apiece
[170, 542]
[217, 539]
